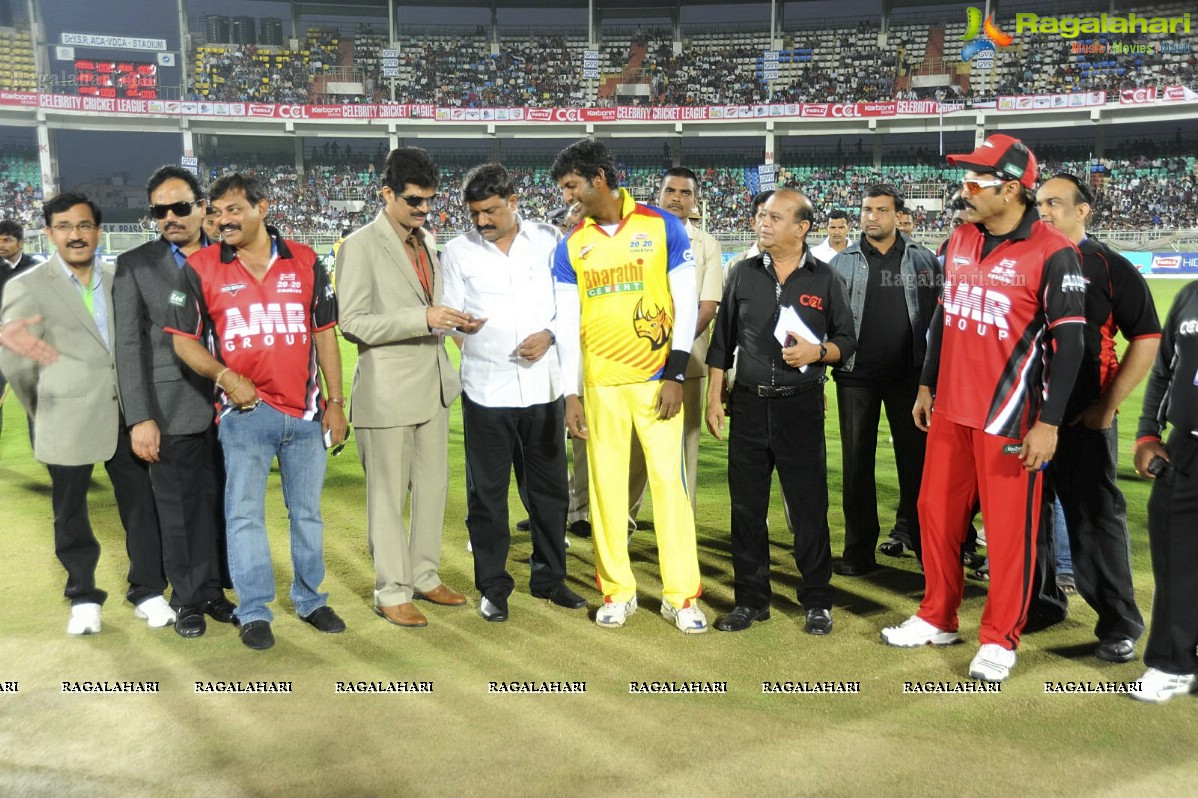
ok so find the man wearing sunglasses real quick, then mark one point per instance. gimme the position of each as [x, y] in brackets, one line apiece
[389, 282]
[168, 407]
[76, 409]
[1006, 343]
[1083, 470]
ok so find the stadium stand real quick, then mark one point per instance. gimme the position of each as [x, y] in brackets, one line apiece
[17, 69]
[20, 186]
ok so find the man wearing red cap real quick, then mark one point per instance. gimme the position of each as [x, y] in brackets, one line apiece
[1006, 343]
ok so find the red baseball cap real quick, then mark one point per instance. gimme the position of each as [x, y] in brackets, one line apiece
[1004, 156]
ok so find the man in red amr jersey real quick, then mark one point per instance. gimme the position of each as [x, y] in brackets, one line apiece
[267, 310]
[1006, 342]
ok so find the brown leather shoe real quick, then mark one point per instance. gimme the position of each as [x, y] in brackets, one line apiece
[445, 596]
[402, 614]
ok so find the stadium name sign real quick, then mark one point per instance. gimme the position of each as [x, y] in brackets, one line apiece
[1072, 27]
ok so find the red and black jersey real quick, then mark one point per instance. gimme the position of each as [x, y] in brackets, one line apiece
[262, 330]
[991, 353]
[1117, 300]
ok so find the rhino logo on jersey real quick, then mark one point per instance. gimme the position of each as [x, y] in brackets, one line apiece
[654, 326]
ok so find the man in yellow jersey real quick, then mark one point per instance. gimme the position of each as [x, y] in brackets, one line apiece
[625, 281]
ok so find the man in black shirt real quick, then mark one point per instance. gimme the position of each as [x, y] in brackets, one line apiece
[1083, 468]
[779, 401]
[1171, 398]
[891, 283]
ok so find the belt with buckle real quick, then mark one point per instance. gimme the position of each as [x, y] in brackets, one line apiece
[779, 391]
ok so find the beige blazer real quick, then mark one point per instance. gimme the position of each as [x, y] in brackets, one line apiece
[404, 375]
[73, 402]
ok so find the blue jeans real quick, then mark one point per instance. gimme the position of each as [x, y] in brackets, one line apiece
[1060, 536]
[251, 440]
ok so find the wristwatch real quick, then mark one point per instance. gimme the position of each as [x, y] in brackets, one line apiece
[552, 337]
[823, 352]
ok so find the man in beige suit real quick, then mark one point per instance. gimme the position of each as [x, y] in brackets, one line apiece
[389, 287]
[76, 412]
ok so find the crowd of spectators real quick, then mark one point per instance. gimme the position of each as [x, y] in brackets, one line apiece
[21, 189]
[247, 72]
[469, 69]
[542, 71]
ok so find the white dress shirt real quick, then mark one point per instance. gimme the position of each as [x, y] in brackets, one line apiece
[514, 293]
[825, 252]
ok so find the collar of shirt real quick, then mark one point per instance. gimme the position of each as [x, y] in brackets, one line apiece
[627, 206]
[870, 251]
[180, 255]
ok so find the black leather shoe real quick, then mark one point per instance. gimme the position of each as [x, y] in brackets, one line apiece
[325, 620]
[563, 596]
[742, 618]
[893, 547]
[257, 635]
[494, 610]
[819, 622]
[581, 529]
[220, 610]
[1119, 649]
[524, 525]
[189, 621]
[846, 568]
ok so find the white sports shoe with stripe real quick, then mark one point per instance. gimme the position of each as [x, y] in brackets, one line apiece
[992, 663]
[690, 620]
[915, 631]
[613, 614]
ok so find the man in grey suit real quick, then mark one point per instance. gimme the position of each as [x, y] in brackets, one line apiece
[168, 407]
[389, 288]
[76, 410]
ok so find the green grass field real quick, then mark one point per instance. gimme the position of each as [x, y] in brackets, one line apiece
[462, 740]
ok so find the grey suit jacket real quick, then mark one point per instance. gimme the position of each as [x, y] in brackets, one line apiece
[404, 376]
[154, 383]
[73, 402]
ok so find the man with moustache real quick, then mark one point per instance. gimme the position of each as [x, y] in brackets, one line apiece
[499, 274]
[168, 407]
[1006, 342]
[627, 304]
[778, 423]
[390, 281]
[76, 410]
[1083, 470]
[838, 237]
[892, 285]
[265, 307]
[905, 222]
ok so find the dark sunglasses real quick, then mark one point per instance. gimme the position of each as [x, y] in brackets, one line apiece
[177, 208]
[415, 202]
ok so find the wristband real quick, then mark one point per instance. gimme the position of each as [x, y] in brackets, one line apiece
[676, 364]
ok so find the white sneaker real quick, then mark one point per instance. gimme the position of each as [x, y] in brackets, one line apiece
[992, 663]
[155, 612]
[915, 631]
[690, 620]
[1158, 687]
[613, 613]
[85, 619]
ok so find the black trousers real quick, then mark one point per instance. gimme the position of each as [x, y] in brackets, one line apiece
[1173, 540]
[186, 497]
[1096, 516]
[76, 544]
[784, 434]
[493, 436]
[859, 407]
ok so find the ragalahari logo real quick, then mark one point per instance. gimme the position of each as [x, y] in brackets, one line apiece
[981, 39]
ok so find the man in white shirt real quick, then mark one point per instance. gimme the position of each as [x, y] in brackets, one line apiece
[838, 237]
[499, 275]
